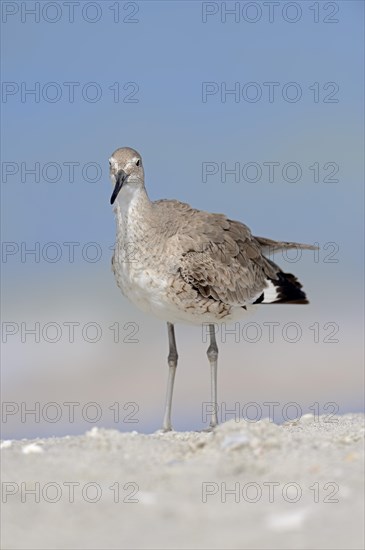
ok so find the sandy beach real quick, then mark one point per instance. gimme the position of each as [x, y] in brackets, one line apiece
[244, 485]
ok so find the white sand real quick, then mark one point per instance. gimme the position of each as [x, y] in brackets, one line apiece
[170, 476]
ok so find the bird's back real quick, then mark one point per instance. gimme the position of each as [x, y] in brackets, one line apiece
[222, 260]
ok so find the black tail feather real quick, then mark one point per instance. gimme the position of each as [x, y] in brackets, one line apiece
[289, 289]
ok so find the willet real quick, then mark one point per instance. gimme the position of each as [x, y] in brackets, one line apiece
[190, 266]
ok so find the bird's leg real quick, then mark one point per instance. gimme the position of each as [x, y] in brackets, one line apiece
[172, 361]
[212, 353]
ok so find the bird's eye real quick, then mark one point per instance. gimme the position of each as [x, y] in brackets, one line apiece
[138, 162]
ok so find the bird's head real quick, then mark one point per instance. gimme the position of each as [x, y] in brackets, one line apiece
[125, 169]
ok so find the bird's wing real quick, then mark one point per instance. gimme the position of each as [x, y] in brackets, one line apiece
[268, 245]
[218, 257]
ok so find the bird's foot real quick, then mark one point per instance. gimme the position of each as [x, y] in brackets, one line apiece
[165, 429]
[210, 428]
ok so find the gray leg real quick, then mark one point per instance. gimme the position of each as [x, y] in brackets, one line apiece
[172, 360]
[212, 353]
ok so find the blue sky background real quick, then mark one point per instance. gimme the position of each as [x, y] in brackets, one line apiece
[169, 52]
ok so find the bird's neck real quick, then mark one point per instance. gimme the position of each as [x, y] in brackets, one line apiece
[132, 207]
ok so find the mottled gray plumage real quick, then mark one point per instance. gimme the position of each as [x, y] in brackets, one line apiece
[187, 265]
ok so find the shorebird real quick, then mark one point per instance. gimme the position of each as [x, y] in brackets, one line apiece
[190, 266]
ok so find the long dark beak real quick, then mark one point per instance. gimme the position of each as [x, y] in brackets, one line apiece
[120, 179]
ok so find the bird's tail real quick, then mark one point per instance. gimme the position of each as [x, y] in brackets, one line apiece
[286, 289]
[281, 288]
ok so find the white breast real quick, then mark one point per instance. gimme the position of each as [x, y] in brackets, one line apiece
[141, 286]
